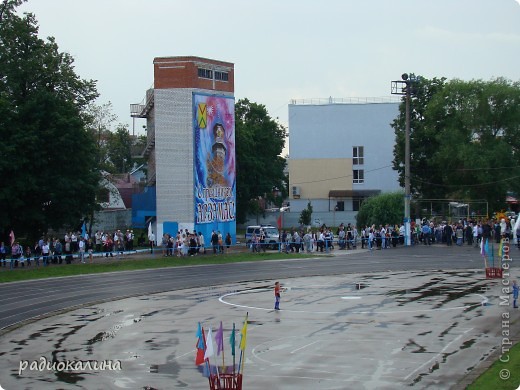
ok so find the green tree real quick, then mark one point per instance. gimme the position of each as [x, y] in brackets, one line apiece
[306, 215]
[465, 139]
[49, 160]
[382, 209]
[259, 142]
[119, 150]
[423, 143]
[99, 120]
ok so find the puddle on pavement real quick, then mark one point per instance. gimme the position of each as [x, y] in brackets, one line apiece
[434, 287]
[413, 347]
[172, 368]
[467, 343]
[447, 293]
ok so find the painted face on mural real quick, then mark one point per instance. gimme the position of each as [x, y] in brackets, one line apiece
[216, 162]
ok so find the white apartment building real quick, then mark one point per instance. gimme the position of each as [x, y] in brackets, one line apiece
[340, 152]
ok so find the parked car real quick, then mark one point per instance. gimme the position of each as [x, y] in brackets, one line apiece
[272, 235]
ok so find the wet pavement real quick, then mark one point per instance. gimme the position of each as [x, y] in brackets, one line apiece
[380, 330]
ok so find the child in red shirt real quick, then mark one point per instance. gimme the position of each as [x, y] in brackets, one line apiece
[277, 289]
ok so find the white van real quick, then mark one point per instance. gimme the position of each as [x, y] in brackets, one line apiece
[272, 235]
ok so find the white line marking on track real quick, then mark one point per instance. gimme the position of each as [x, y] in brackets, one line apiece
[305, 346]
[222, 300]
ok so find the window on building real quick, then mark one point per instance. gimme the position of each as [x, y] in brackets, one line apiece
[208, 74]
[358, 157]
[340, 205]
[358, 176]
[356, 203]
[205, 73]
[221, 76]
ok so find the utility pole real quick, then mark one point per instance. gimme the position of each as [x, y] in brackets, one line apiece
[404, 87]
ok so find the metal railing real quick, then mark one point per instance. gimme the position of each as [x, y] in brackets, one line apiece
[350, 100]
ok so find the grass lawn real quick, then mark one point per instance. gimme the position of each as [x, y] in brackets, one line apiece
[132, 263]
[496, 377]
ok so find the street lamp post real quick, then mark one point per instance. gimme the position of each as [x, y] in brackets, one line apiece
[403, 87]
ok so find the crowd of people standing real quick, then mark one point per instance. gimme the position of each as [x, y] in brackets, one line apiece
[186, 243]
[53, 250]
[463, 232]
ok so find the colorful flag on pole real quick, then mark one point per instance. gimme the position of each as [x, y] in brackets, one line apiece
[232, 340]
[201, 346]
[484, 246]
[492, 254]
[219, 339]
[83, 230]
[209, 346]
[243, 334]
[11, 237]
[149, 229]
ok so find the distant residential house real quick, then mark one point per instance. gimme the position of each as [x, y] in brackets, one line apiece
[114, 213]
[109, 197]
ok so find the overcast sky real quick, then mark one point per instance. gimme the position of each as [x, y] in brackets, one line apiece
[284, 49]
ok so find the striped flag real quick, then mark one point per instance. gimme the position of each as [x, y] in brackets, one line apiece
[201, 346]
[11, 237]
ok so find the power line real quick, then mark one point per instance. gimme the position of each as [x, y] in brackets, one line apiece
[339, 177]
[424, 181]
[467, 185]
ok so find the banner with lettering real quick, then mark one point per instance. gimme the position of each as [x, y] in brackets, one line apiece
[214, 163]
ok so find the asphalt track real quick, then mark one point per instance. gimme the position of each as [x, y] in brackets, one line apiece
[23, 301]
[373, 322]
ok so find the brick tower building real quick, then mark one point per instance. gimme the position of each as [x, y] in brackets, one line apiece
[190, 148]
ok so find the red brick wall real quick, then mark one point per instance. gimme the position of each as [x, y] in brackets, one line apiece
[182, 72]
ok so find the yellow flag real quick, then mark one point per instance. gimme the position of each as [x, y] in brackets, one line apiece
[243, 334]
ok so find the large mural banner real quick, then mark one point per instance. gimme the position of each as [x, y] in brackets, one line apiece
[214, 162]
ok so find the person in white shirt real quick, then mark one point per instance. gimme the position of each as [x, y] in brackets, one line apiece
[383, 237]
[45, 253]
[81, 249]
[354, 237]
[98, 241]
[74, 241]
[151, 240]
[201, 243]
[370, 238]
[475, 234]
